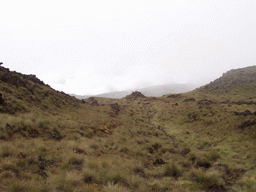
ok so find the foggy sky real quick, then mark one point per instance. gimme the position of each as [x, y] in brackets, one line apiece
[92, 47]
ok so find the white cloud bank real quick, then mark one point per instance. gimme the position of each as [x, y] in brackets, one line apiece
[90, 47]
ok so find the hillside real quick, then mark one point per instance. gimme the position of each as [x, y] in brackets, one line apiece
[203, 140]
[26, 92]
[234, 82]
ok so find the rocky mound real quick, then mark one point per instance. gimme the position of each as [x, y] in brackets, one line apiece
[92, 101]
[135, 95]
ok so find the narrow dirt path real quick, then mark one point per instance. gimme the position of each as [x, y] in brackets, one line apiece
[159, 128]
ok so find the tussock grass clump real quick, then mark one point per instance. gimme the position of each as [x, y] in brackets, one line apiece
[88, 133]
[125, 150]
[61, 183]
[112, 187]
[213, 156]
[22, 163]
[168, 150]
[10, 166]
[202, 161]
[210, 179]
[44, 124]
[139, 170]
[186, 150]
[7, 174]
[116, 176]
[6, 151]
[248, 181]
[104, 164]
[172, 171]
[15, 185]
[74, 161]
[93, 165]
[91, 176]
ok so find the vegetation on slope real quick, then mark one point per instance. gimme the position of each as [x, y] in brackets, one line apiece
[236, 82]
[198, 141]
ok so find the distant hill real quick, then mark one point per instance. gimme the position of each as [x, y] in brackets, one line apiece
[242, 80]
[152, 91]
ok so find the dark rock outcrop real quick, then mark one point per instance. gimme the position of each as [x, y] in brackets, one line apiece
[2, 101]
[135, 95]
[206, 102]
[245, 113]
[92, 101]
[115, 108]
[189, 99]
[247, 124]
[173, 96]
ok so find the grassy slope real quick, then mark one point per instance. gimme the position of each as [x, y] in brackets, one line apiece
[151, 144]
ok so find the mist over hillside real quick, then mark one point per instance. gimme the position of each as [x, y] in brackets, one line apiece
[152, 91]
